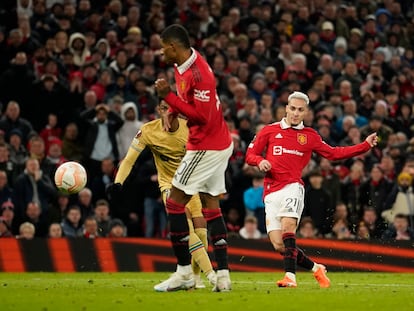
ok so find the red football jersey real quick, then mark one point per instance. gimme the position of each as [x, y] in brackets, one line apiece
[289, 150]
[198, 100]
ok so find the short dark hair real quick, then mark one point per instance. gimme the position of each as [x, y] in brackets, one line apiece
[176, 33]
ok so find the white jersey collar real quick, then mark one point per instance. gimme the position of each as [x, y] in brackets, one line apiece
[284, 125]
[187, 64]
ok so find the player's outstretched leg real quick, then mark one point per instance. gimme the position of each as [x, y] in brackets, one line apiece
[183, 278]
[200, 260]
[319, 271]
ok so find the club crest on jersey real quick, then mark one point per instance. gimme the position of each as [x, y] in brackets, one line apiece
[182, 85]
[302, 139]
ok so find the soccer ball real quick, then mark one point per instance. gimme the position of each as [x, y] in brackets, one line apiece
[70, 177]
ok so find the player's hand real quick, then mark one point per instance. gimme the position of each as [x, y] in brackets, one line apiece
[264, 166]
[162, 87]
[372, 140]
[114, 191]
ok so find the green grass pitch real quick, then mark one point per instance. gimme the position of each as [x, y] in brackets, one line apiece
[251, 291]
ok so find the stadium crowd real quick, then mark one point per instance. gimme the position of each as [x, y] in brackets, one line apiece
[76, 84]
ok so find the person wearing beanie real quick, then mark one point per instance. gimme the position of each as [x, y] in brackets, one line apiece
[401, 198]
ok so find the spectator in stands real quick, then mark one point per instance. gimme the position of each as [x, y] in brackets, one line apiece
[318, 202]
[405, 119]
[7, 213]
[233, 224]
[307, 229]
[144, 100]
[5, 189]
[154, 211]
[51, 131]
[33, 214]
[26, 231]
[375, 224]
[399, 230]
[32, 186]
[53, 97]
[18, 151]
[129, 129]
[350, 73]
[362, 231]
[19, 76]
[102, 217]
[80, 50]
[71, 224]
[7, 164]
[117, 229]
[100, 141]
[250, 229]
[375, 190]
[120, 65]
[350, 109]
[90, 228]
[71, 146]
[54, 154]
[100, 88]
[375, 81]
[253, 202]
[340, 230]
[4, 229]
[85, 203]
[12, 120]
[331, 180]
[102, 179]
[400, 200]
[383, 131]
[57, 209]
[55, 230]
[37, 150]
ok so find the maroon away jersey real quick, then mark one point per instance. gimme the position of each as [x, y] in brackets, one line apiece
[198, 100]
[289, 151]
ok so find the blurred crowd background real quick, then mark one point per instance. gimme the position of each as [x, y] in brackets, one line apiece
[76, 84]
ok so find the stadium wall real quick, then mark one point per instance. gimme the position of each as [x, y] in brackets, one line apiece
[147, 255]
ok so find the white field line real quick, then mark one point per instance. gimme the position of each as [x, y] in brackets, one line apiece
[134, 280]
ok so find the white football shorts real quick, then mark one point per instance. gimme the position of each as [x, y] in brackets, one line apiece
[286, 202]
[203, 171]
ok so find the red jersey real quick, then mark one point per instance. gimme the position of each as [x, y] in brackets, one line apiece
[289, 150]
[198, 100]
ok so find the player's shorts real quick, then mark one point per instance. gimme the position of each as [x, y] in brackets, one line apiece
[193, 206]
[286, 202]
[203, 171]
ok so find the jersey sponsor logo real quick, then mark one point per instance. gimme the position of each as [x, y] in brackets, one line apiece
[279, 150]
[279, 135]
[202, 95]
[302, 139]
[138, 134]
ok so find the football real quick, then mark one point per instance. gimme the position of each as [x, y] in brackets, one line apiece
[70, 177]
